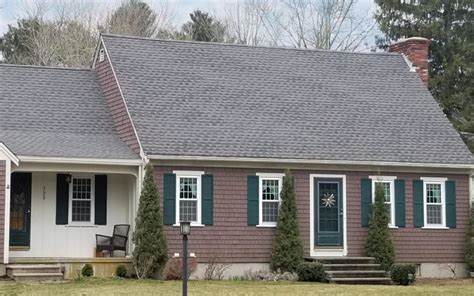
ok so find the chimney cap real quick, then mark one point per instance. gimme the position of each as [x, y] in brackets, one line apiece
[420, 39]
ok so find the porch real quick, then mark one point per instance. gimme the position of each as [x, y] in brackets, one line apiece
[56, 210]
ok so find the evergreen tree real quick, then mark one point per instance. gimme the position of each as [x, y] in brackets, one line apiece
[379, 242]
[470, 244]
[133, 18]
[151, 251]
[287, 250]
[450, 27]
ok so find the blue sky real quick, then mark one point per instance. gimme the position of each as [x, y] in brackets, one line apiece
[10, 10]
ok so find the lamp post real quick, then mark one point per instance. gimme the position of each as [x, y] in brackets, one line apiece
[185, 229]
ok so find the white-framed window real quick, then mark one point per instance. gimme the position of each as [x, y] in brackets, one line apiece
[269, 190]
[388, 183]
[434, 202]
[81, 200]
[188, 197]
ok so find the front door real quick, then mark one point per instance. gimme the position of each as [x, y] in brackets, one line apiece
[328, 212]
[20, 209]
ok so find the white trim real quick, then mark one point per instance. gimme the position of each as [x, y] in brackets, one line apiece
[92, 201]
[267, 176]
[6, 240]
[72, 160]
[9, 154]
[391, 181]
[309, 161]
[325, 252]
[442, 183]
[198, 176]
[142, 153]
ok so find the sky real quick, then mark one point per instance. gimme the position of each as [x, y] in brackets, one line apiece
[10, 10]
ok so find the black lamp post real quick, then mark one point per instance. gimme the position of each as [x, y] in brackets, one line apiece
[185, 229]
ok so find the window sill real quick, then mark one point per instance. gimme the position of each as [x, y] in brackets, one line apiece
[192, 225]
[392, 226]
[81, 225]
[434, 227]
[266, 225]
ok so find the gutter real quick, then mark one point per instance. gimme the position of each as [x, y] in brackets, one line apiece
[100, 161]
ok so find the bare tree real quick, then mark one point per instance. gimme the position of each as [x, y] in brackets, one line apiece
[326, 24]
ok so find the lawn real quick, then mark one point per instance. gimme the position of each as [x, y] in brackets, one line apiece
[151, 287]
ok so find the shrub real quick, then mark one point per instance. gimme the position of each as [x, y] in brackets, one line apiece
[311, 272]
[400, 272]
[174, 268]
[470, 244]
[87, 270]
[287, 251]
[150, 252]
[121, 271]
[379, 242]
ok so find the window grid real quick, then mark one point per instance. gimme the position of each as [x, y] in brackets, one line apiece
[387, 193]
[81, 199]
[270, 197]
[188, 199]
[434, 204]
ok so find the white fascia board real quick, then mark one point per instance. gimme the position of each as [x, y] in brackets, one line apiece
[102, 161]
[9, 154]
[310, 161]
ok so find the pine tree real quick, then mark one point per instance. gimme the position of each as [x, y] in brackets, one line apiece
[287, 250]
[151, 251]
[470, 244]
[379, 242]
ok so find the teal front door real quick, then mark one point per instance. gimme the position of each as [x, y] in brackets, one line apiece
[328, 211]
[20, 209]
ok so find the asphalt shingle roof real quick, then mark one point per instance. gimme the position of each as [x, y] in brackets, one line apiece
[56, 112]
[204, 99]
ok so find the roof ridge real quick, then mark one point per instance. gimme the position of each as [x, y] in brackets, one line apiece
[245, 45]
[45, 67]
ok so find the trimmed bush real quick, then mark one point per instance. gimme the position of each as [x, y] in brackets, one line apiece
[287, 251]
[311, 272]
[87, 270]
[399, 273]
[379, 241]
[121, 271]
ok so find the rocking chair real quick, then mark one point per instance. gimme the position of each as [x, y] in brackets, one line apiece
[116, 242]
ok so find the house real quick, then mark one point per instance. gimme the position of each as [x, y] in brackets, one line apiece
[220, 123]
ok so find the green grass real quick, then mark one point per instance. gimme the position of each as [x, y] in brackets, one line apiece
[152, 287]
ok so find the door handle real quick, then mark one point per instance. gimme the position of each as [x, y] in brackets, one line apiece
[341, 212]
[28, 211]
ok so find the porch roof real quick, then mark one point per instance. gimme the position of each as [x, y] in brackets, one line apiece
[56, 112]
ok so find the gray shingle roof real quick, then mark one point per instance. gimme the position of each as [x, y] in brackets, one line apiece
[56, 112]
[204, 99]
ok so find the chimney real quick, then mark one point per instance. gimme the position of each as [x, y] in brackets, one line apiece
[415, 50]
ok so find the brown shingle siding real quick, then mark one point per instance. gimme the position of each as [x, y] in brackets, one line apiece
[230, 239]
[2, 207]
[110, 89]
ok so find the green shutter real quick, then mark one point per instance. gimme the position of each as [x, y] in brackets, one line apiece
[207, 199]
[366, 201]
[252, 200]
[62, 199]
[169, 201]
[400, 203]
[451, 204]
[418, 219]
[100, 200]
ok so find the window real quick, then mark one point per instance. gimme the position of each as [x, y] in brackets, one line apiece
[388, 183]
[434, 202]
[81, 199]
[188, 207]
[269, 198]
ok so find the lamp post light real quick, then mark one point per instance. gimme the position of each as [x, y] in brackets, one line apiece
[185, 230]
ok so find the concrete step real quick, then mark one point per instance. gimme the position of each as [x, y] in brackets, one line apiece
[371, 266]
[38, 277]
[355, 274]
[342, 260]
[362, 281]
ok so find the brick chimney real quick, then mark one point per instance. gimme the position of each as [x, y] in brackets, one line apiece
[415, 50]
